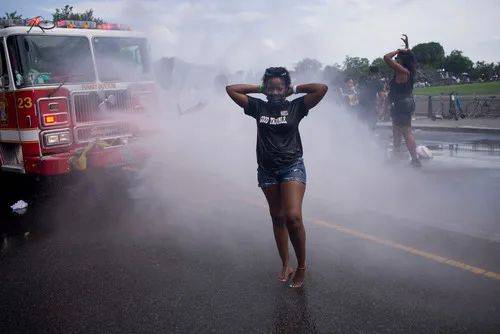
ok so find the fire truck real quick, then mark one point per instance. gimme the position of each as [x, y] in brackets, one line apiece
[69, 95]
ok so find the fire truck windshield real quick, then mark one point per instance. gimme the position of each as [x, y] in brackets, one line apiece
[122, 58]
[47, 59]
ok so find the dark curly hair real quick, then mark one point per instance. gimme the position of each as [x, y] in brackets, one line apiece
[408, 60]
[276, 72]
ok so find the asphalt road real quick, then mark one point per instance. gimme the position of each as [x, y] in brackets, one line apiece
[95, 254]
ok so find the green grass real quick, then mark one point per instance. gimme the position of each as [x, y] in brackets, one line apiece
[483, 88]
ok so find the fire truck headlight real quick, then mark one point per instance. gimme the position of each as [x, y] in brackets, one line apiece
[51, 139]
[57, 138]
[64, 138]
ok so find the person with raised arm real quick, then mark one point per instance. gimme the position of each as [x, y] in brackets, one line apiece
[401, 99]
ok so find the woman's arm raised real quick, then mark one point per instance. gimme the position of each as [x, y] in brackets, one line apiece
[314, 93]
[238, 93]
[402, 74]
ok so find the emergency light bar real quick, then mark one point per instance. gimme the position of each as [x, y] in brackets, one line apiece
[76, 24]
[90, 25]
[4, 23]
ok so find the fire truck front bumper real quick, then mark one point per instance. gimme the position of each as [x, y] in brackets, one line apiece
[94, 156]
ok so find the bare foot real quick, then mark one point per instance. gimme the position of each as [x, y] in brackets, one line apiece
[285, 273]
[298, 278]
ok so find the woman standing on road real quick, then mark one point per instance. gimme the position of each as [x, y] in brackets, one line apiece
[281, 173]
[401, 99]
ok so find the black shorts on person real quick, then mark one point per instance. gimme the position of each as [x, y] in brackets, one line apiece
[402, 110]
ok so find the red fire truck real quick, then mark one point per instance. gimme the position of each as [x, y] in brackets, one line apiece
[69, 95]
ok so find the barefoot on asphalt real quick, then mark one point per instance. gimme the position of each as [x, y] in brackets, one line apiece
[298, 278]
[285, 273]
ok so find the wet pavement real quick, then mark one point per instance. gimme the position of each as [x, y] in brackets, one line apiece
[94, 255]
[467, 125]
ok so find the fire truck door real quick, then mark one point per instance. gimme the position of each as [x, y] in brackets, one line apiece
[11, 157]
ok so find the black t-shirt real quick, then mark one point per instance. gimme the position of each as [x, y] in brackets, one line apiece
[278, 137]
[399, 91]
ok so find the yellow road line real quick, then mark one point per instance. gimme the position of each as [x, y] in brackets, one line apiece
[395, 245]
[411, 250]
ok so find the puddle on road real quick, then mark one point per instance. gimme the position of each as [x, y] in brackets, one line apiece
[489, 147]
[476, 154]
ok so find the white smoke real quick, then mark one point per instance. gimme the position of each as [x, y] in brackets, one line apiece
[202, 139]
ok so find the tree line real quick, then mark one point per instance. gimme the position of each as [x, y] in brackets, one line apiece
[431, 60]
[63, 13]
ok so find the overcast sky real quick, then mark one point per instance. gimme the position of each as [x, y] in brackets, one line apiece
[258, 33]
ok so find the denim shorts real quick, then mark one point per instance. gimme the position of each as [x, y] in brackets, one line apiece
[294, 172]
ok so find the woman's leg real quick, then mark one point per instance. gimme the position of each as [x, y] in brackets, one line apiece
[410, 142]
[396, 139]
[273, 196]
[292, 194]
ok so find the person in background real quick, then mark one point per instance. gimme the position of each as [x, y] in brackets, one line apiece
[383, 105]
[350, 95]
[369, 88]
[401, 99]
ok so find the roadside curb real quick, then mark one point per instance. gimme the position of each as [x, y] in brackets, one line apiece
[465, 129]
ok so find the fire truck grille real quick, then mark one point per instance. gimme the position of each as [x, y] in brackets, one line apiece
[102, 106]
[102, 131]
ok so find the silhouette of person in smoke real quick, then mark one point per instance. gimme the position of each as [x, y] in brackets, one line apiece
[281, 172]
[369, 88]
